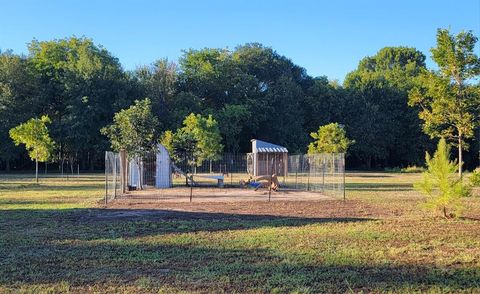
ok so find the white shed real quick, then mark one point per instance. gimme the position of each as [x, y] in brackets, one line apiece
[163, 172]
[154, 170]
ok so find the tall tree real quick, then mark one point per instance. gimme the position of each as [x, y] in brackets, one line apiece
[323, 103]
[376, 113]
[34, 134]
[450, 106]
[253, 80]
[81, 86]
[159, 84]
[18, 101]
[232, 119]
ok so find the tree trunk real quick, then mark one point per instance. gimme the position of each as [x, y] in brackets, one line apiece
[140, 176]
[369, 162]
[7, 165]
[460, 157]
[36, 167]
[445, 212]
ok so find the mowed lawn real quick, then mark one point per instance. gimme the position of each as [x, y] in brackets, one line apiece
[58, 237]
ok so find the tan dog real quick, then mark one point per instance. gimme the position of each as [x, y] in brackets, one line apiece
[263, 181]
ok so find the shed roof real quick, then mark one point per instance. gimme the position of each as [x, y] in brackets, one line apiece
[259, 146]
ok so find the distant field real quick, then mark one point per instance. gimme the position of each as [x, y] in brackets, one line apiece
[57, 237]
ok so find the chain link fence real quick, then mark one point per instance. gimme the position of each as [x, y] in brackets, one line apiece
[225, 171]
[323, 173]
[317, 172]
[113, 179]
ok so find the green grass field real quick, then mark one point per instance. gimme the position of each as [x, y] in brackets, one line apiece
[57, 237]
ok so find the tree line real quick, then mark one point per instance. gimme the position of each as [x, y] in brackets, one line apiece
[390, 107]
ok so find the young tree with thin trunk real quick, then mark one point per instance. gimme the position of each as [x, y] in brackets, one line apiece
[134, 130]
[449, 103]
[34, 134]
[197, 141]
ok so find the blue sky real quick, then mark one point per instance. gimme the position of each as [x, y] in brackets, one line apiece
[325, 37]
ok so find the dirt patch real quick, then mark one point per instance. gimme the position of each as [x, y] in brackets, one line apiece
[183, 194]
[307, 209]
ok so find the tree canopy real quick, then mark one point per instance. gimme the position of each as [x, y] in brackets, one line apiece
[134, 129]
[450, 107]
[385, 129]
[35, 136]
[198, 140]
[329, 138]
[251, 91]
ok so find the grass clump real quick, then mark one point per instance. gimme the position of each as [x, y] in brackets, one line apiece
[411, 169]
[475, 178]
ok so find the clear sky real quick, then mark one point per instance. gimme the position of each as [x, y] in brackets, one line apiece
[325, 37]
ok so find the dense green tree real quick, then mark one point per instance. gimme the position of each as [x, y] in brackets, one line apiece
[159, 84]
[206, 133]
[81, 86]
[35, 136]
[181, 145]
[254, 87]
[198, 140]
[134, 130]
[330, 138]
[284, 123]
[18, 101]
[179, 106]
[450, 107]
[323, 103]
[376, 113]
[252, 92]
[232, 119]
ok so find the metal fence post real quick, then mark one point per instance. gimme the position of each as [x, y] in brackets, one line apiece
[191, 189]
[323, 176]
[308, 174]
[115, 177]
[344, 196]
[296, 176]
[106, 178]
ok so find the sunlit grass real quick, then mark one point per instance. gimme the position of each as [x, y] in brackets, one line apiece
[56, 238]
[53, 192]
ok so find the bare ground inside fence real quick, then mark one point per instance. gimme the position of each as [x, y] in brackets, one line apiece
[320, 207]
[224, 195]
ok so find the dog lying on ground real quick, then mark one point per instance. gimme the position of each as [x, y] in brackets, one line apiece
[263, 181]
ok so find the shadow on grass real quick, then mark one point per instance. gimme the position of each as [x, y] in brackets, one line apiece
[97, 223]
[85, 247]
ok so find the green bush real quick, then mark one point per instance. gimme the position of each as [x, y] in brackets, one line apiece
[475, 178]
[413, 169]
[406, 170]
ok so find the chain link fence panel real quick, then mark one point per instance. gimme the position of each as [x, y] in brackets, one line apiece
[113, 181]
[323, 173]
